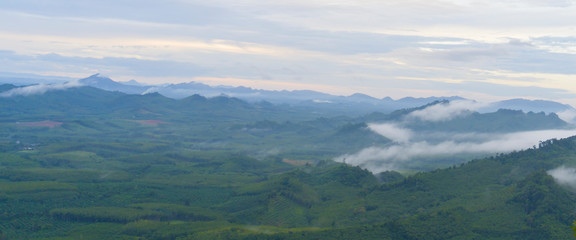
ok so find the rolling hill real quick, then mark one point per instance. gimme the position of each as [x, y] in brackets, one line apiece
[83, 162]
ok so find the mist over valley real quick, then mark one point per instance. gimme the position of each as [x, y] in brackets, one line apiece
[89, 154]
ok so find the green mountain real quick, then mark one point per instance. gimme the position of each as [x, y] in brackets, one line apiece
[83, 163]
[502, 120]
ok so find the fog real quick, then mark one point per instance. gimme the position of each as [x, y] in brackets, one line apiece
[397, 155]
[564, 176]
[39, 89]
[445, 112]
[408, 146]
[392, 131]
[568, 116]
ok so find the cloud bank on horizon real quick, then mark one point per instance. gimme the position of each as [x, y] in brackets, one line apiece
[477, 49]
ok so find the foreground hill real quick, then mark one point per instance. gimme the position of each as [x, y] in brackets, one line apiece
[98, 190]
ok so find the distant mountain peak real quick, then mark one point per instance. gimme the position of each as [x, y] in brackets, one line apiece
[96, 79]
[132, 82]
[103, 82]
[358, 102]
[528, 105]
[99, 76]
[361, 96]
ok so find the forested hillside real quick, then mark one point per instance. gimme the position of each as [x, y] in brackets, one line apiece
[90, 164]
[122, 191]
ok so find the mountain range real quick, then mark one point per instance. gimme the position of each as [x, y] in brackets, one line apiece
[81, 162]
[282, 128]
[357, 104]
[86, 163]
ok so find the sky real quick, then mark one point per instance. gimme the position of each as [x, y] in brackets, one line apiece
[483, 50]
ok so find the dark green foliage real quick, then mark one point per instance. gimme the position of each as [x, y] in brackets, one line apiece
[178, 194]
[102, 214]
[390, 176]
[147, 167]
[349, 176]
[545, 202]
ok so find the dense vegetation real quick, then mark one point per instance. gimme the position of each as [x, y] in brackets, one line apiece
[113, 166]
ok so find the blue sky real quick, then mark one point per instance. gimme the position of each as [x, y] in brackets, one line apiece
[484, 50]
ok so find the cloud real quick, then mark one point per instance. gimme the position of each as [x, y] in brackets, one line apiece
[409, 147]
[392, 132]
[348, 44]
[39, 89]
[446, 111]
[564, 175]
[467, 54]
[547, 3]
[399, 155]
[568, 116]
[151, 90]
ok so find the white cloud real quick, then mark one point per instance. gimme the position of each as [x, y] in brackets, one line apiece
[409, 146]
[446, 111]
[392, 132]
[151, 90]
[324, 42]
[395, 156]
[564, 175]
[478, 20]
[39, 89]
[568, 116]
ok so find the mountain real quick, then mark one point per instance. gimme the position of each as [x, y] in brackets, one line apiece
[105, 83]
[85, 101]
[356, 103]
[21, 79]
[322, 103]
[529, 106]
[6, 87]
[82, 162]
[59, 103]
[229, 120]
[91, 101]
[500, 121]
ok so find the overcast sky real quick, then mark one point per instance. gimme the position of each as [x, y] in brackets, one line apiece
[484, 50]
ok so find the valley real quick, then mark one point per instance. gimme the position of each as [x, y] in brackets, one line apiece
[85, 163]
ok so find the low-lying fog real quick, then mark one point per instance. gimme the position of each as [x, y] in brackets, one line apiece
[409, 146]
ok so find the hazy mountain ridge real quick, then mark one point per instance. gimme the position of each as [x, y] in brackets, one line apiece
[108, 84]
[358, 104]
[501, 120]
[358, 101]
[284, 128]
[94, 101]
